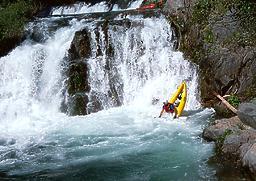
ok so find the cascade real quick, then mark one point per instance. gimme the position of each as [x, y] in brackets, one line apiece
[131, 62]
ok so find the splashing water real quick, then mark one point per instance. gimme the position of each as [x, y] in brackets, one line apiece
[123, 143]
[81, 8]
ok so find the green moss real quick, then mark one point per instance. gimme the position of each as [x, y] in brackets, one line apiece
[243, 11]
[221, 139]
[208, 35]
[201, 11]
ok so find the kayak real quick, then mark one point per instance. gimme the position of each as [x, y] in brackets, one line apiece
[150, 6]
[181, 93]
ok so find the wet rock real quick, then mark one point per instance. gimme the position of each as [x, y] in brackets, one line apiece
[3, 142]
[80, 46]
[95, 105]
[219, 127]
[226, 66]
[77, 104]
[249, 158]
[233, 143]
[77, 75]
[78, 78]
[8, 141]
[247, 114]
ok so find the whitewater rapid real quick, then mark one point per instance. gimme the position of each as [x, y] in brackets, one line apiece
[126, 142]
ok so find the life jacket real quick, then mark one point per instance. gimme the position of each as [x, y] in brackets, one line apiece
[169, 108]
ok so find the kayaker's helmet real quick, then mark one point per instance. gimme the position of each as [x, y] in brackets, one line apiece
[166, 102]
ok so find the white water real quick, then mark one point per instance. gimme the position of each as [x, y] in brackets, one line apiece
[81, 8]
[144, 63]
[35, 136]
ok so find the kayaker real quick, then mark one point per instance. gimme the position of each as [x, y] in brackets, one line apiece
[169, 108]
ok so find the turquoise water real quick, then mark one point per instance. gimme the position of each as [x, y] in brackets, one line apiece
[38, 142]
[118, 144]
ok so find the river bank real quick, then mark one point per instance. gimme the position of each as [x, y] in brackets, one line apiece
[235, 138]
[218, 38]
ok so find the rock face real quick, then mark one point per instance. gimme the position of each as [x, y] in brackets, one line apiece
[247, 114]
[249, 158]
[235, 142]
[219, 127]
[216, 39]
[77, 73]
[85, 90]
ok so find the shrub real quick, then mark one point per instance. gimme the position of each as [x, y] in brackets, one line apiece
[13, 17]
[234, 100]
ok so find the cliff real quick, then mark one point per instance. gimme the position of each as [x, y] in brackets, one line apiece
[220, 37]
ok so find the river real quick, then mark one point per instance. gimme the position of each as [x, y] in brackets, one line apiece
[128, 142]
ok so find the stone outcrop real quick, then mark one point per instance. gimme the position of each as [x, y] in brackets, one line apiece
[249, 157]
[216, 40]
[247, 114]
[219, 127]
[235, 142]
[77, 74]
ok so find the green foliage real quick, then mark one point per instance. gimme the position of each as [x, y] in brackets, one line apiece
[234, 100]
[208, 35]
[13, 17]
[244, 11]
[222, 138]
[202, 10]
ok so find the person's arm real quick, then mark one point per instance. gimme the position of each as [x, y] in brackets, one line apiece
[161, 113]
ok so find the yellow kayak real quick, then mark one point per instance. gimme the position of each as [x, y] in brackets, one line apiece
[182, 91]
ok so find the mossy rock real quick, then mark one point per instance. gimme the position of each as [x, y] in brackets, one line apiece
[78, 78]
[78, 104]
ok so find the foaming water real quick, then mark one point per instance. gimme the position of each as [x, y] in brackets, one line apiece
[104, 6]
[132, 141]
[142, 66]
[31, 83]
[124, 143]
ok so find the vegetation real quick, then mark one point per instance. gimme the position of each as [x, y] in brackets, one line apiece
[234, 100]
[243, 11]
[221, 139]
[13, 16]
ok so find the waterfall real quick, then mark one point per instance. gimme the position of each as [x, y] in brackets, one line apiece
[132, 62]
[142, 65]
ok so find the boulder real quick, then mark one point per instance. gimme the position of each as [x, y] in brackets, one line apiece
[235, 142]
[247, 114]
[249, 159]
[236, 145]
[212, 133]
